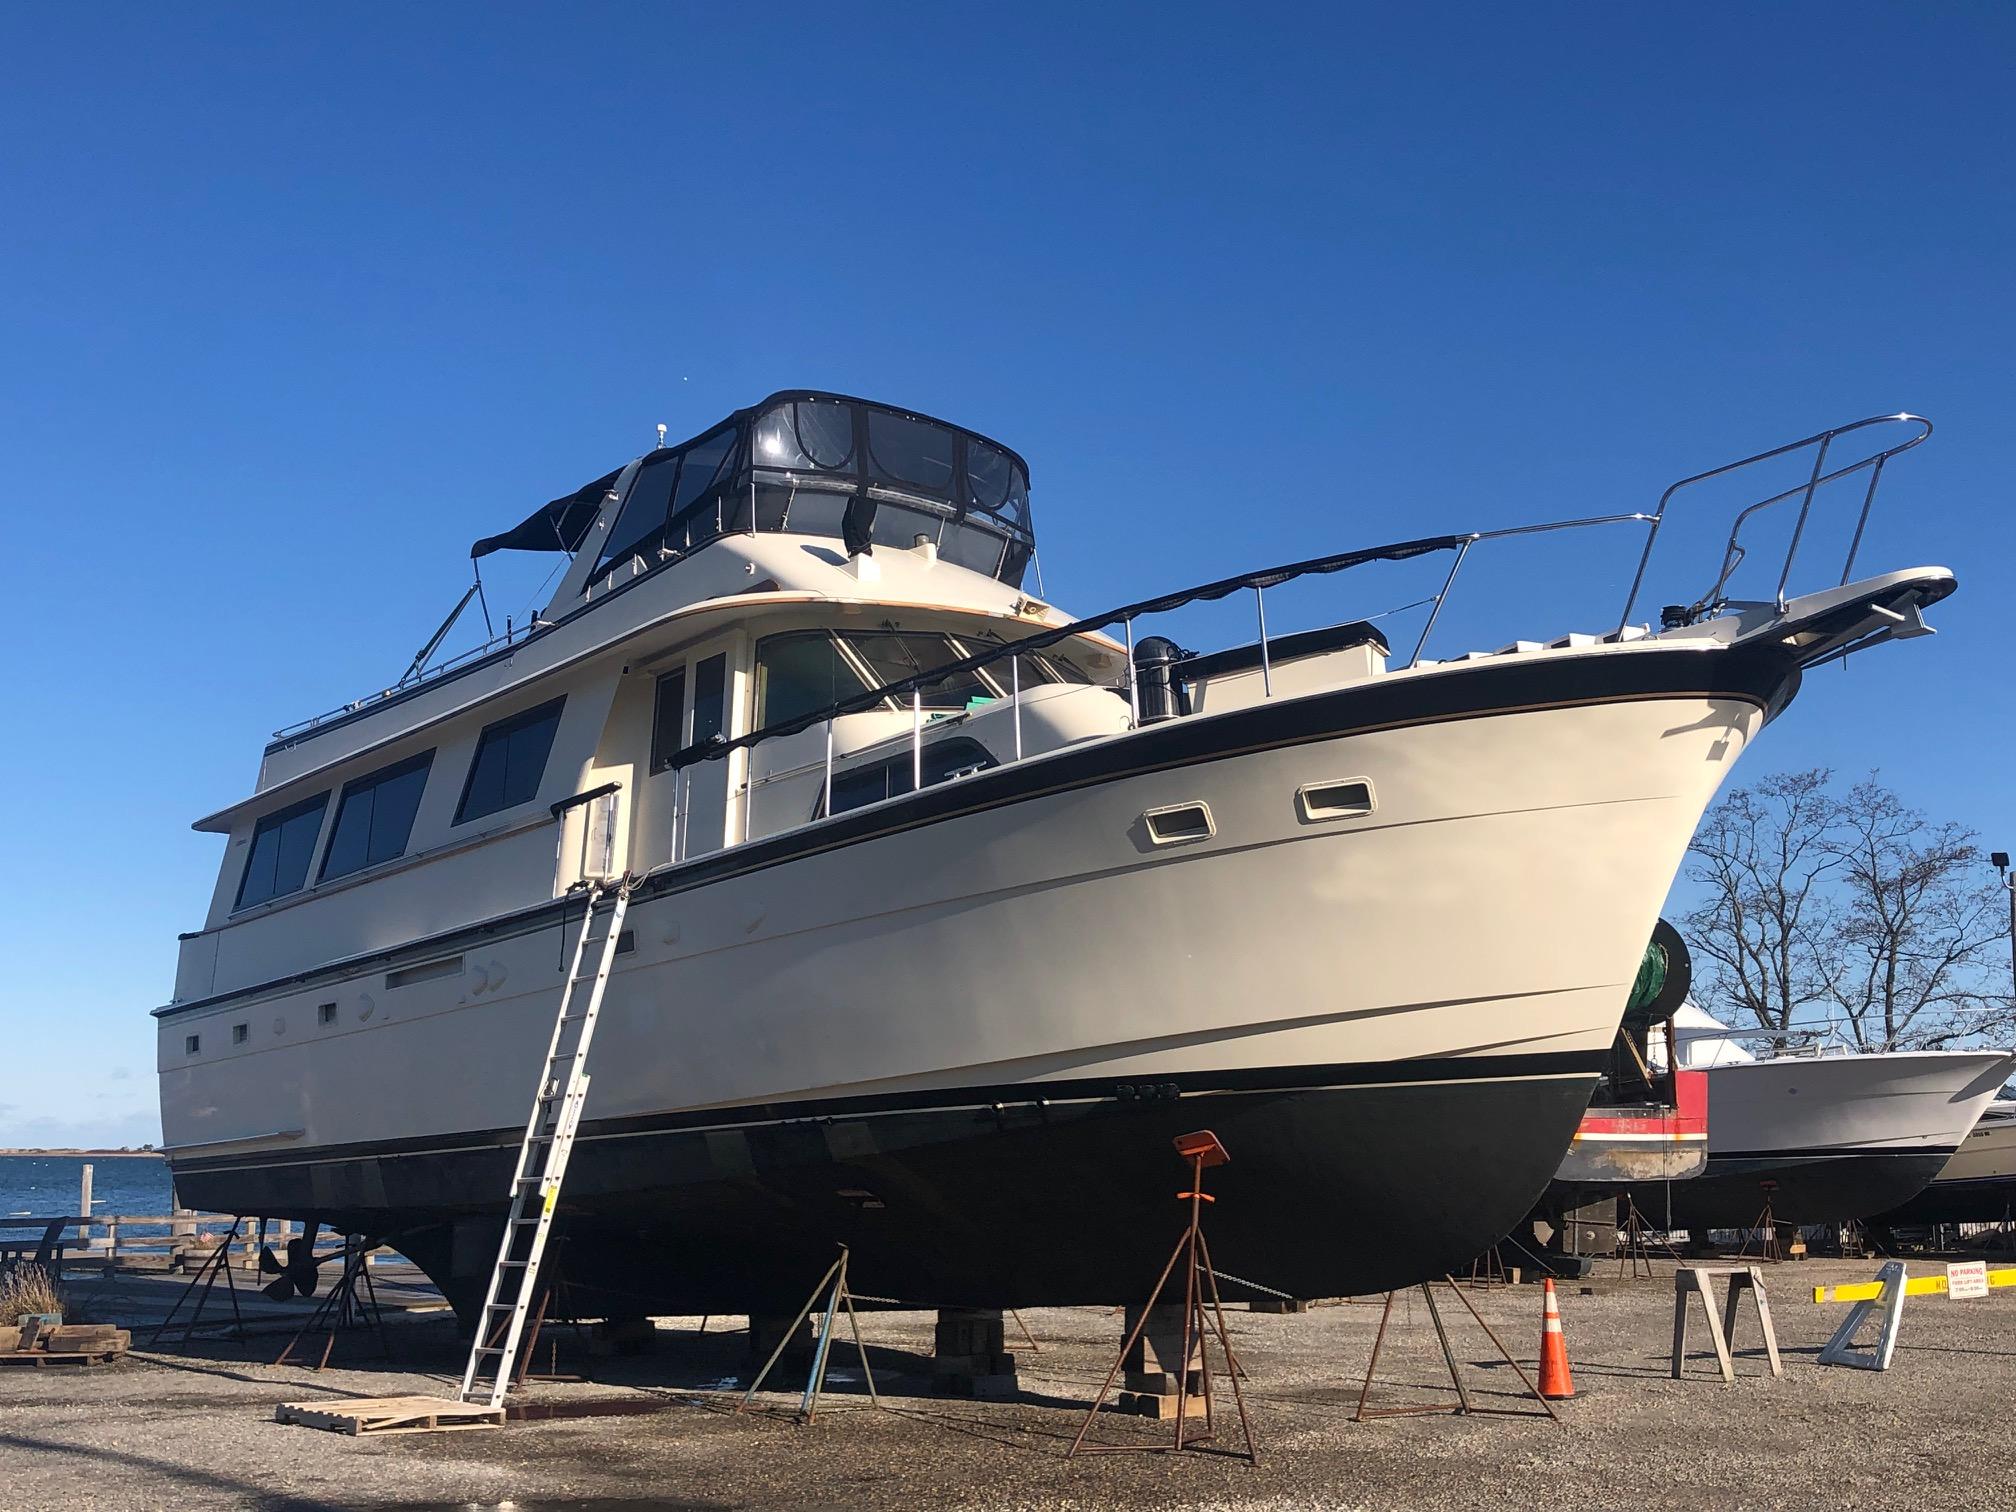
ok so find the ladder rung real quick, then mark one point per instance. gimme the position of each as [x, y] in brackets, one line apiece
[488, 1349]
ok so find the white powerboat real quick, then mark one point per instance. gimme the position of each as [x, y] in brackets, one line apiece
[1977, 1184]
[1823, 1137]
[947, 911]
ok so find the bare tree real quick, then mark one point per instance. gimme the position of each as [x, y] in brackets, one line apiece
[1855, 914]
[1763, 854]
[1919, 945]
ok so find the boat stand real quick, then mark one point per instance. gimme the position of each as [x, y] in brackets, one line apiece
[1201, 1149]
[1765, 1230]
[217, 1262]
[1463, 1405]
[833, 1285]
[344, 1306]
[556, 1305]
[1640, 1248]
[1488, 1269]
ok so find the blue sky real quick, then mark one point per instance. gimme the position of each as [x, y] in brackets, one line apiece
[297, 302]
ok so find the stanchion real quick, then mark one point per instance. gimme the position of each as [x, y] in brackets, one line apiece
[1202, 1150]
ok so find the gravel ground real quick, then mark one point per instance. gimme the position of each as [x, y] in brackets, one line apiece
[167, 1430]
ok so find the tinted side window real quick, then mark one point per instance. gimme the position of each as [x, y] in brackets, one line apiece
[710, 699]
[510, 762]
[375, 817]
[282, 846]
[800, 673]
[943, 760]
[668, 719]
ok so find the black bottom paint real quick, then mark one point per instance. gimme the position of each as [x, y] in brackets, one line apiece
[1731, 1193]
[1330, 1191]
[1990, 1199]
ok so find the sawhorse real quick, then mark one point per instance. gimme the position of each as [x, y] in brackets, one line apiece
[1699, 1280]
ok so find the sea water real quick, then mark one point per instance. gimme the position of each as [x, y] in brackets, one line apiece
[49, 1186]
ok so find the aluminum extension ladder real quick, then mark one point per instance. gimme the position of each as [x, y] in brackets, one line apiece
[542, 1158]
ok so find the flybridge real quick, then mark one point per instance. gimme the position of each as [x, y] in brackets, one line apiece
[801, 461]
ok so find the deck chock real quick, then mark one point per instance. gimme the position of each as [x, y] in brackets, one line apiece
[1198, 1326]
[1893, 1283]
[1699, 1281]
[833, 1287]
[401, 1414]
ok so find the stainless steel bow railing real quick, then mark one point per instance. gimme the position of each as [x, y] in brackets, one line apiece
[1733, 553]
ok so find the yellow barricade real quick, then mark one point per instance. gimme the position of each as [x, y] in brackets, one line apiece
[1916, 1286]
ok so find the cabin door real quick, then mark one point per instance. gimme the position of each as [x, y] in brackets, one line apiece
[695, 703]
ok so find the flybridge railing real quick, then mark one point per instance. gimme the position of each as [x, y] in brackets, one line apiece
[1733, 553]
[419, 672]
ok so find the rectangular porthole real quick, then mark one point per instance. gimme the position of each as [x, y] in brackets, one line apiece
[1179, 822]
[626, 942]
[192, 1044]
[426, 971]
[1334, 800]
[325, 1013]
[240, 1033]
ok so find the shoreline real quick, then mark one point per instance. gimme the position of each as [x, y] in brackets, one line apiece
[93, 1154]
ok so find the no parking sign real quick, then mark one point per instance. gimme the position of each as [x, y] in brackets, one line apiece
[1967, 1278]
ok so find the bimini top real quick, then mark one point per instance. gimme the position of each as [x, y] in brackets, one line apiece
[809, 462]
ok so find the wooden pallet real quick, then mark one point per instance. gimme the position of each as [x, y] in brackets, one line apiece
[405, 1414]
[41, 1357]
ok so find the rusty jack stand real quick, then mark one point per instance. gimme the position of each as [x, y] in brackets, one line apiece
[1201, 1149]
[1463, 1403]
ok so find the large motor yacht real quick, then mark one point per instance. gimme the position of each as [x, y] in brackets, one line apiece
[948, 910]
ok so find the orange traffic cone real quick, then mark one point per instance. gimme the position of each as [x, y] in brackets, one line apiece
[1555, 1382]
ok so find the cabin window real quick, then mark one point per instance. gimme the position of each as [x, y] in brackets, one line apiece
[325, 1013]
[799, 674]
[943, 761]
[240, 1033]
[510, 762]
[710, 699]
[668, 719]
[192, 1044]
[282, 846]
[893, 655]
[375, 818]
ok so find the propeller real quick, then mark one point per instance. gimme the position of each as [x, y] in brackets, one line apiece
[296, 1275]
